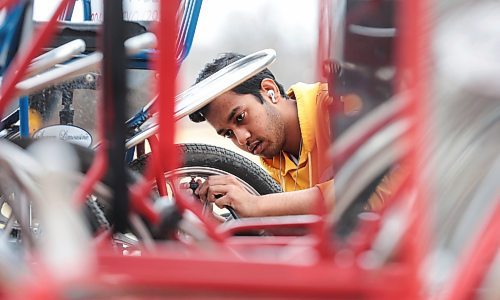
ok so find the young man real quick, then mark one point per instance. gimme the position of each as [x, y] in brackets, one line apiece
[289, 131]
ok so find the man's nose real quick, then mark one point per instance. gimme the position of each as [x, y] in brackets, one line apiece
[242, 136]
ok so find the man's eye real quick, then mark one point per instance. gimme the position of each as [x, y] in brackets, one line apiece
[228, 134]
[240, 117]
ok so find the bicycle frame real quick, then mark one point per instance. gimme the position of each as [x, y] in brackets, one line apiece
[139, 48]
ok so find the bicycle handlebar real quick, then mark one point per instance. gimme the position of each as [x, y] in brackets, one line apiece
[86, 64]
[53, 57]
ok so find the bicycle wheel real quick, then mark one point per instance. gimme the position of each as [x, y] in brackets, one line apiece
[200, 160]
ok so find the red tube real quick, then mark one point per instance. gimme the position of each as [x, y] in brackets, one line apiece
[167, 67]
[7, 3]
[412, 51]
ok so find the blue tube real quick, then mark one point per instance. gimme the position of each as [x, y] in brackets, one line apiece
[10, 32]
[68, 12]
[192, 27]
[87, 12]
[129, 155]
[24, 128]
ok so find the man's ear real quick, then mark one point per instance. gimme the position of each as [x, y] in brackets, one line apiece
[270, 89]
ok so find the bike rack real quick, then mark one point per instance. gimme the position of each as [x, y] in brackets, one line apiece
[390, 248]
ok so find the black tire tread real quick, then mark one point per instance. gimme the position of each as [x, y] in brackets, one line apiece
[203, 155]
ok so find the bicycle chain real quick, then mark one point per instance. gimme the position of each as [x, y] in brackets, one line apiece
[98, 212]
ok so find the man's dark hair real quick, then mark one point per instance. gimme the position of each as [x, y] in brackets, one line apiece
[250, 86]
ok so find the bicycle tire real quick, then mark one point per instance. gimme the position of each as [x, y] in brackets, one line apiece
[203, 155]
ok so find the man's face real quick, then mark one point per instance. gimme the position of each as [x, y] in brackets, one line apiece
[253, 127]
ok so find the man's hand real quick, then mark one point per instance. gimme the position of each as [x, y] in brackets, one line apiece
[227, 190]
[187, 188]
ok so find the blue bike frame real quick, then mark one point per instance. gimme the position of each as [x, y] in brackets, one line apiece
[10, 36]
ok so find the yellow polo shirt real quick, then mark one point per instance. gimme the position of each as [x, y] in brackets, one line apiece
[314, 166]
